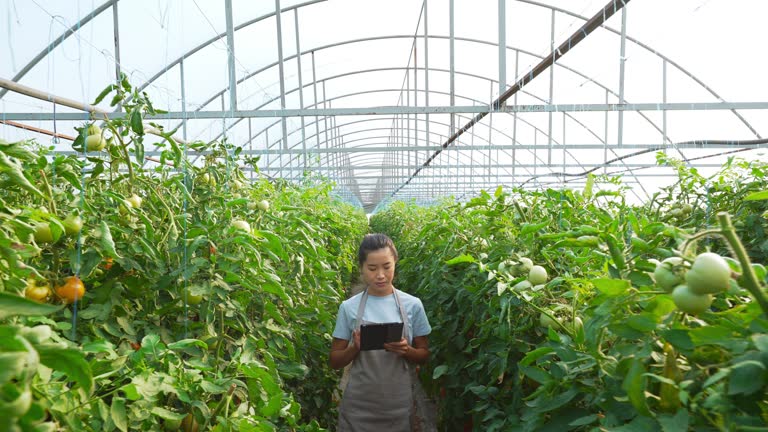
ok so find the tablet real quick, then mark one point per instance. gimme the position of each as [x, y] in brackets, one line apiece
[374, 336]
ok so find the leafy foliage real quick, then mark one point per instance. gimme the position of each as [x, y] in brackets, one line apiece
[598, 347]
[186, 319]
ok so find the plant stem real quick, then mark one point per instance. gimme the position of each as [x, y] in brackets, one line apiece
[753, 284]
[124, 147]
[697, 236]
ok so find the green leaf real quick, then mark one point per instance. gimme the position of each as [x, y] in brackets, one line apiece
[761, 342]
[99, 346]
[136, 122]
[16, 173]
[293, 370]
[746, 377]
[273, 406]
[718, 335]
[14, 305]
[611, 287]
[757, 196]
[104, 94]
[187, 343]
[584, 420]
[634, 385]
[131, 392]
[167, 414]
[106, 240]
[117, 412]
[461, 259]
[677, 423]
[534, 355]
[528, 228]
[642, 322]
[70, 361]
[439, 371]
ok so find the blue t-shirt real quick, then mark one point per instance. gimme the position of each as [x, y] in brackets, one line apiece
[382, 310]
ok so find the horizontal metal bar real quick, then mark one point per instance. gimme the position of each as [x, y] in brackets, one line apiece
[383, 110]
[476, 178]
[538, 166]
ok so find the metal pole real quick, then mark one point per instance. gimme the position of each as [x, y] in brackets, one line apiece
[551, 89]
[325, 125]
[490, 132]
[281, 69]
[502, 45]
[605, 138]
[452, 67]
[250, 143]
[664, 138]
[231, 55]
[301, 84]
[314, 89]
[415, 91]
[116, 28]
[514, 117]
[426, 70]
[184, 101]
[408, 103]
[622, 61]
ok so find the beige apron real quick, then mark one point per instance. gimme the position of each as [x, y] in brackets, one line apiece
[378, 397]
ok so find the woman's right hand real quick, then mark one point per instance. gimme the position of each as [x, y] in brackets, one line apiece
[356, 338]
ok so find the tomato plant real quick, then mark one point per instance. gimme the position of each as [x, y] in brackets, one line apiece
[135, 353]
[614, 340]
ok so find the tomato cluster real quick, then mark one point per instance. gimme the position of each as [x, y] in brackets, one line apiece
[692, 287]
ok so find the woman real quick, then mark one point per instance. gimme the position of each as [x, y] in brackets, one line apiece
[378, 396]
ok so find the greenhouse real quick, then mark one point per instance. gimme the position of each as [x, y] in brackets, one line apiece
[573, 197]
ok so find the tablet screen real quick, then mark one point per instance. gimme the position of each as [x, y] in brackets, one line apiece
[374, 336]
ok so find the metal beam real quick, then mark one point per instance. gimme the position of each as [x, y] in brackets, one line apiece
[383, 167]
[389, 110]
[231, 55]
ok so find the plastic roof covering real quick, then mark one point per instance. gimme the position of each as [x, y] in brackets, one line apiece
[364, 54]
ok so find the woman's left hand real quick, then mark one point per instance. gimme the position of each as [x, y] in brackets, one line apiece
[400, 348]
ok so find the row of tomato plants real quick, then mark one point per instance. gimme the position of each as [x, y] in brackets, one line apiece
[185, 296]
[572, 310]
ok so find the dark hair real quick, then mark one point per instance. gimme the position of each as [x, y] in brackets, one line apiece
[374, 242]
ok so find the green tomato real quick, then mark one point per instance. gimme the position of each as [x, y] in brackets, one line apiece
[241, 225]
[689, 302]
[135, 201]
[95, 143]
[667, 274]
[525, 265]
[94, 129]
[73, 224]
[709, 274]
[125, 207]
[537, 275]
[43, 233]
[208, 179]
[546, 321]
[171, 425]
[193, 299]
[263, 205]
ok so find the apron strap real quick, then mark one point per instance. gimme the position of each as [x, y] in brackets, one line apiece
[361, 309]
[403, 315]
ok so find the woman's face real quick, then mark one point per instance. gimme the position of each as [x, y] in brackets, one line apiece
[378, 270]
